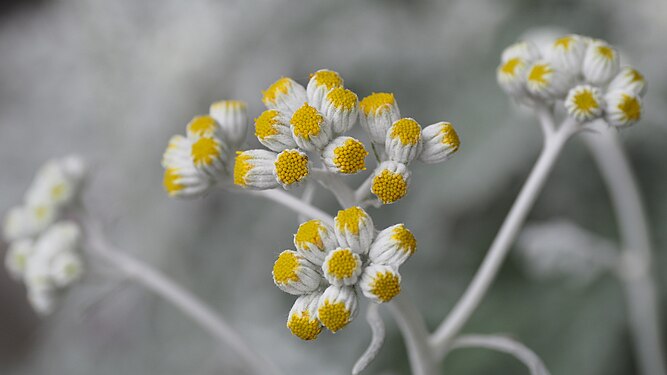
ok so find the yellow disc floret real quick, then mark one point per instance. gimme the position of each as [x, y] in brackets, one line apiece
[371, 104]
[309, 233]
[342, 263]
[334, 316]
[585, 101]
[303, 327]
[170, 185]
[203, 126]
[265, 124]
[407, 130]
[538, 73]
[291, 166]
[241, 168]
[307, 122]
[405, 239]
[285, 267]
[327, 78]
[279, 87]
[349, 219]
[385, 286]
[635, 76]
[606, 52]
[630, 107]
[389, 186]
[564, 42]
[205, 151]
[450, 138]
[342, 98]
[350, 157]
[510, 67]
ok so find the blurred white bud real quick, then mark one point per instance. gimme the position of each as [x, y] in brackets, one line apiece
[17, 256]
[584, 103]
[232, 116]
[629, 79]
[66, 268]
[624, 108]
[601, 63]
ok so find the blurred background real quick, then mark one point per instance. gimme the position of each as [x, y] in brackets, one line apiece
[113, 80]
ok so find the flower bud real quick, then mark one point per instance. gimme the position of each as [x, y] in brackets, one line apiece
[302, 320]
[337, 307]
[380, 283]
[17, 257]
[628, 79]
[321, 82]
[567, 54]
[601, 63]
[314, 239]
[440, 142]
[623, 108]
[345, 155]
[65, 268]
[284, 95]
[255, 169]
[310, 128]
[391, 182]
[342, 267]
[354, 229]
[393, 246]
[340, 106]
[209, 156]
[291, 168]
[232, 115]
[377, 112]
[584, 103]
[293, 274]
[546, 81]
[272, 130]
[404, 141]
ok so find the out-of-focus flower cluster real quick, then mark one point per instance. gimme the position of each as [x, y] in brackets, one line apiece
[332, 265]
[585, 73]
[43, 250]
[299, 125]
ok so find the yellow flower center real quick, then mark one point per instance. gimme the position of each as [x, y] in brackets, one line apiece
[407, 130]
[241, 168]
[405, 239]
[376, 101]
[564, 42]
[279, 87]
[202, 126]
[291, 166]
[304, 327]
[350, 157]
[349, 219]
[205, 151]
[328, 78]
[510, 67]
[58, 191]
[334, 316]
[342, 98]
[285, 267]
[389, 186]
[450, 138]
[606, 52]
[538, 73]
[386, 286]
[169, 181]
[635, 76]
[41, 212]
[630, 107]
[585, 101]
[309, 233]
[264, 124]
[307, 121]
[342, 263]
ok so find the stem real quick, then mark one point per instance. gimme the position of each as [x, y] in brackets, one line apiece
[307, 197]
[505, 345]
[190, 305]
[293, 203]
[487, 272]
[344, 195]
[639, 288]
[411, 324]
[365, 188]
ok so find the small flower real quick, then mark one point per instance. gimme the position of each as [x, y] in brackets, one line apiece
[342, 267]
[440, 142]
[61, 237]
[380, 283]
[310, 129]
[184, 182]
[202, 126]
[284, 95]
[66, 268]
[302, 320]
[208, 155]
[567, 53]
[525, 50]
[28, 221]
[17, 257]
[354, 229]
[233, 119]
[293, 274]
[255, 169]
[377, 112]
[511, 76]
[629, 79]
[57, 182]
[624, 108]
[601, 63]
[291, 167]
[341, 106]
[391, 181]
[272, 130]
[314, 239]
[345, 155]
[320, 84]
[393, 246]
[337, 307]
[584, 103]
[546, 81]
[404, 140]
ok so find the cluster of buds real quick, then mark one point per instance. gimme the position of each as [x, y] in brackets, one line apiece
[43, 249]
[583, 72]
[333, 265]
[300, 125]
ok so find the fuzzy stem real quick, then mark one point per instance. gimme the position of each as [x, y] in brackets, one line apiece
[413, 329]
[500, 247]
[293, 203]
[505, 345]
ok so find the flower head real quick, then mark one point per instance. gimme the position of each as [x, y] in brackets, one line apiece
[321, 83]
[285, 95]
[567, 53]
[255, 169]
[293, 274]
[354, 229]
[601, 63]
[302, 320]
[629, 79]
[377, 112]
[546, 81]
[440, 142]
[391, 181]
[345, 155]
[624, 108]
[291, 167]
[310, 129]
[584, 103]
[232, 117]
[404, 141]
[314, 239]
[273, 131]
[341, 106]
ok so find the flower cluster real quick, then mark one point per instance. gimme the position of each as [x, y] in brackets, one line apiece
[300, 125]
[43, 251]
[331, 265]
[583, 72]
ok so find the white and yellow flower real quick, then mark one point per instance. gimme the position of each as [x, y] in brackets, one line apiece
[630, 80]
[624, 108]
[567, 54]
[440, 142]
[601, 63]
[404, 141]
[380, 283]
[66, 268]
[273, 130]
[285, 95]
[584, 103]
[202, 126]
[391, 181]
[393, 246]
[342, 266]
[310, 129]
[342, 107]
[57, 182]
[294, 274]
[345, 155]
[314, 239]
[302, 320]
[255, 169]
[232, 116]
[511, 76]
[17, 257]
[28, 221]
[377, 112]
[354, 229]
[181, 178]
[546, 81]
[291, 168]
[210, 155]
[320, 84]
[337, 306]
